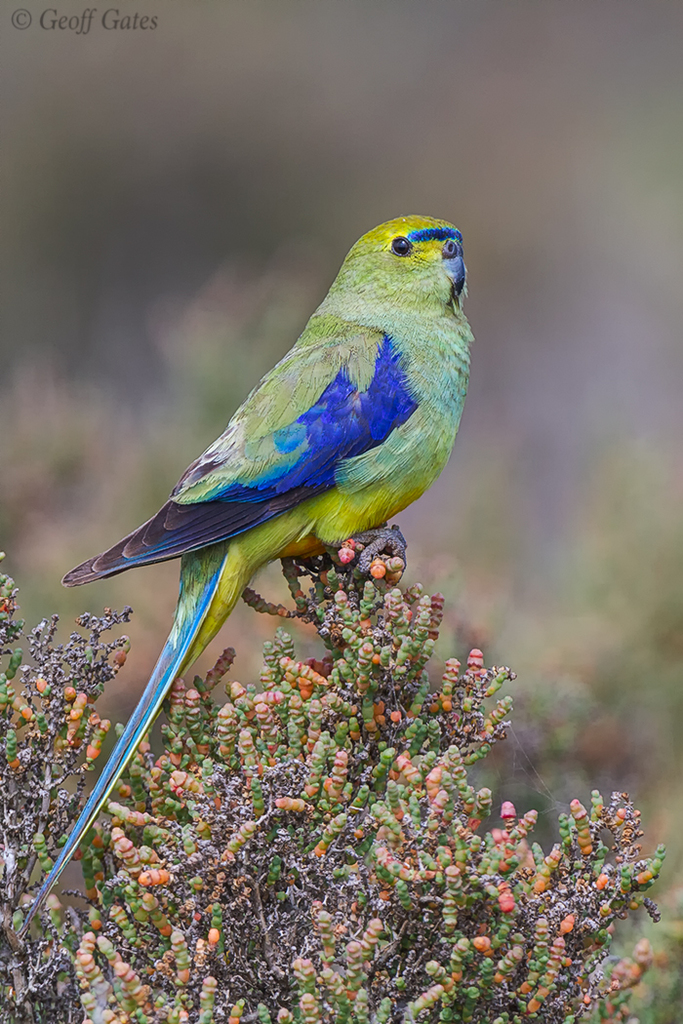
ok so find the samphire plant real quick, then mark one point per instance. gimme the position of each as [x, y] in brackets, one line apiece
[309, 847]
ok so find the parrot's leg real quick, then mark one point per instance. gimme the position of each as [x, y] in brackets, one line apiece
[382, 540]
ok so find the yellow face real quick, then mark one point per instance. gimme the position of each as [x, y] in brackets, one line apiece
[417, 253]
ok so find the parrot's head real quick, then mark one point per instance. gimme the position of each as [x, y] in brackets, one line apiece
[414, 261]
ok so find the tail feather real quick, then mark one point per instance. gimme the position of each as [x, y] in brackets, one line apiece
[193, 605]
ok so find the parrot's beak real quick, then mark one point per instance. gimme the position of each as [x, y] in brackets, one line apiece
[455, 268]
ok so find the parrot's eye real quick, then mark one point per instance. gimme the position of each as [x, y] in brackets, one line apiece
[401, 246]
[450, 249]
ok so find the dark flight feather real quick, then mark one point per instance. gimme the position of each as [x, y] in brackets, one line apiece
[177, 528]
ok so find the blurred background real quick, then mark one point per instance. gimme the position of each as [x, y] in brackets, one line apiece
[175, 204]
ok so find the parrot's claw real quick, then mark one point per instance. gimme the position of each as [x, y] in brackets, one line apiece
[385, 541]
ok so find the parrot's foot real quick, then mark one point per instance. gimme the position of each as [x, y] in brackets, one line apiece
[381, 552]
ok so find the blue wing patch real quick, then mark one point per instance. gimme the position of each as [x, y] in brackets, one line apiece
[343, 423]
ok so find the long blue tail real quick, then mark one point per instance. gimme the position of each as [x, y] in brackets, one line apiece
[193, 603]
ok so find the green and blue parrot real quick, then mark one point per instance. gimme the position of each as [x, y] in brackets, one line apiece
[350, 427]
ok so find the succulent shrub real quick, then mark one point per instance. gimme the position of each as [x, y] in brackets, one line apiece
[312, 846]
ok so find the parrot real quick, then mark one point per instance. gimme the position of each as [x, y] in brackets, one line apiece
[353, 424]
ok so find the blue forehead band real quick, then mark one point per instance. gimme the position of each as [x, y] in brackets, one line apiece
[434, 235]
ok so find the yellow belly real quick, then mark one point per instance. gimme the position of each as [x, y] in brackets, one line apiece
[334, 516]
[303, 531]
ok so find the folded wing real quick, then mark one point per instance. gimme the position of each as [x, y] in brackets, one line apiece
[253, 473]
